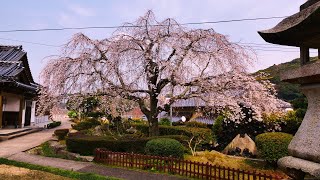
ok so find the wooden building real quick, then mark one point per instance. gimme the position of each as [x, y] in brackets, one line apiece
[17, 88]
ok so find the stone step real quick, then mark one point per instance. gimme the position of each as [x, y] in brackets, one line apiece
[4, 137]
[16, 131]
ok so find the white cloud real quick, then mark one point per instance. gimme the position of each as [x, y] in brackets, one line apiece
[82, 11]
[66, 20]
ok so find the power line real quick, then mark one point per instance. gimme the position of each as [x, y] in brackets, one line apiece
[255, 48]
[131, 26]
[36, 43]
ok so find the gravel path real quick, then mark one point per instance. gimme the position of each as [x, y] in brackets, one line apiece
[127, 174]
[23, 143]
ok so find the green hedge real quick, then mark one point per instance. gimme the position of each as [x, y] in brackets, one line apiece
[196, 124]
[272, 146]
[61, 133]
[165, 147]
[178, 130]
[85, 145]
[86, 124]
[53, 124]
[72, 114]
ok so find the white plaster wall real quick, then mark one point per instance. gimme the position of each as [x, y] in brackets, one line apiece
[12, 104]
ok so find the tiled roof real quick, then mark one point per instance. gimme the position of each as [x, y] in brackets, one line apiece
[13, 62]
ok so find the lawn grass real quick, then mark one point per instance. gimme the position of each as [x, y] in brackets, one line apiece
[8, 172]
[61, 172]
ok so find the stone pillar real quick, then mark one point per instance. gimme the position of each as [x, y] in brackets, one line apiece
[304, 149]
[21, 112]
[304, 55]
[33, 113]
[305, 144]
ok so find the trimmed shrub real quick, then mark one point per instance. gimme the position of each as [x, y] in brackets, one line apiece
[178, 123]
[72, 114]
[95, 114]
[53, 124]
[164, 147]
[196, 124]
[85, 145]
[272, 146]
[86, 124]
[61, 133]
[217, 127]
[291, 122]
[164, 122]
[178, 130]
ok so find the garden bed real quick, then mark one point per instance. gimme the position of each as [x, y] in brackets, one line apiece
[57, 149]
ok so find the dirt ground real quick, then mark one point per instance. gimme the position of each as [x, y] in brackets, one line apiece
[15, 173]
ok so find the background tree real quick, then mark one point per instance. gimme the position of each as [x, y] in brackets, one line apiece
[146, 60]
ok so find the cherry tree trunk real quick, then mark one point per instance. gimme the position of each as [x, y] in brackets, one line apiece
[153, 127]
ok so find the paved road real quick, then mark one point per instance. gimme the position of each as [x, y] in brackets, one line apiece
[23, 143]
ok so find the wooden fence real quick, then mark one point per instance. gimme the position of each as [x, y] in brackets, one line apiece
[177, 166]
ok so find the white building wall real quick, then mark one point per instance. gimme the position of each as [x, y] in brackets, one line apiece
[12, 104]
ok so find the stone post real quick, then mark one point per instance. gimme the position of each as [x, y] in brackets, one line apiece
[304, 55]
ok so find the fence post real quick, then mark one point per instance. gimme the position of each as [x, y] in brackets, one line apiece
[254, 175]
[171, 164]
[97, 155]
[131, 159]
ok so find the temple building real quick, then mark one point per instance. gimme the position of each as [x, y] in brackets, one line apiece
[18, 91]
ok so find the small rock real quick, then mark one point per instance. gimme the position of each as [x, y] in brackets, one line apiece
[56, 146]
[69, 155]
[97, 131]
[132, 130]
[86, 158]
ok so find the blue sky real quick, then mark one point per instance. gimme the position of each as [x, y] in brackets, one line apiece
[33, 14]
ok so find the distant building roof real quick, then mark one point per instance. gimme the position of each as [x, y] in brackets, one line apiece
[192, 102]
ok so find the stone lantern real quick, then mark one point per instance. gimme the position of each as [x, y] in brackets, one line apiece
[302, 30]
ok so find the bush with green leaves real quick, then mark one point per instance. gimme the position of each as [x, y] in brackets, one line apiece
[165, 122]
[196, 124]
[72, 114]
[95, 114]
[61, 133]
[85, 145]
[86, 124]
[53, 124]
[273, 145]
[225, 129]
[287, 123]
[165, 147]
[291, 123]
[179, 130]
